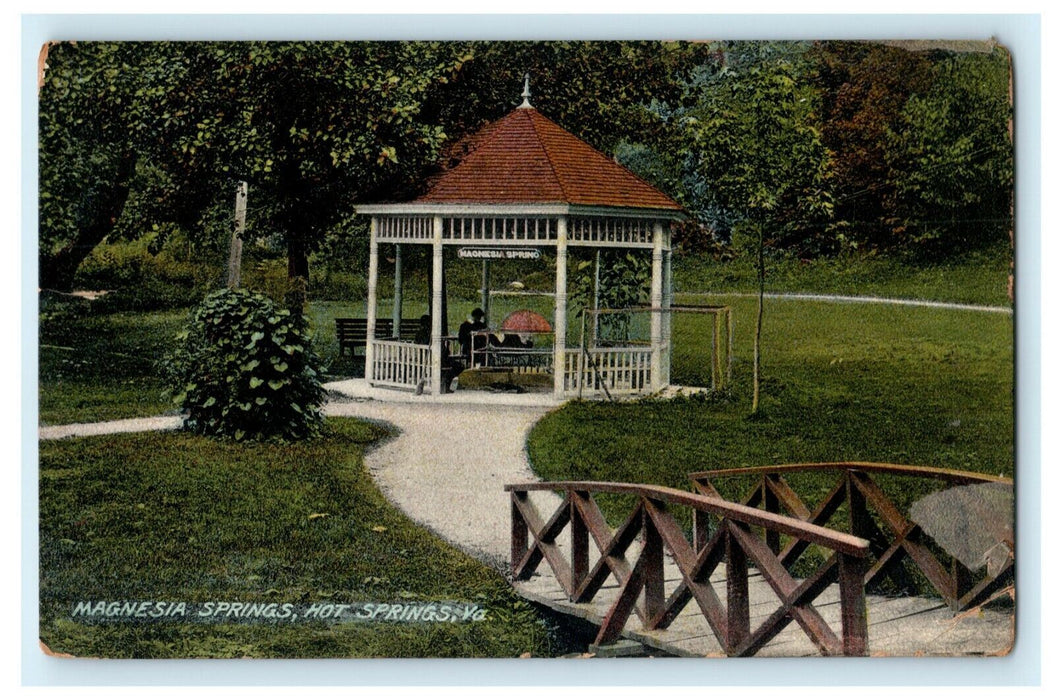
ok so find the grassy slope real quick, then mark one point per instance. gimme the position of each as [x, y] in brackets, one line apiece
[101, 367]
[978, 278]
[207, 521]
[841, 382]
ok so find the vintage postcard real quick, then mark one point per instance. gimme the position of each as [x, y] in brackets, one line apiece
[541, 349]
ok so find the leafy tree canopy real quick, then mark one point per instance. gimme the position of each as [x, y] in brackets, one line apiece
[950, 165]
[312, 127]
[831, 145]
[754, 140]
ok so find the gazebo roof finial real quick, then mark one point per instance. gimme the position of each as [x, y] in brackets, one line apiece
[527, 93]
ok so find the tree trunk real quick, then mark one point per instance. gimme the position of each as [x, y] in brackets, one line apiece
[758, 325]
[297, 259]
[58, 269]
[297, 269]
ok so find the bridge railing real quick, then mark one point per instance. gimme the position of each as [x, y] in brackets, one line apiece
[857, 504]
[633, 553]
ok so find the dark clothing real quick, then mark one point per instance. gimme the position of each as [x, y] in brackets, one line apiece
[468, 342]
[513, 341]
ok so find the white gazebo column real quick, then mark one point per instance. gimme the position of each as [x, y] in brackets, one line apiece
[668, 300]
[437, 306]
[397, 294]
[596, 330]
[371, 302]
[560, 308]
[657, 303]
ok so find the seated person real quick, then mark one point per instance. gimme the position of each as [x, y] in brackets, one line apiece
[473, 324]
[517, 341]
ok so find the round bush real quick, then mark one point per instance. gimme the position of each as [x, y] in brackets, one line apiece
[244, 369]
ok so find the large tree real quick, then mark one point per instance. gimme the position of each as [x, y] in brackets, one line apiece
[313, 127]
[921, 144]
[598, 90]
[87, 158]
[864, 87]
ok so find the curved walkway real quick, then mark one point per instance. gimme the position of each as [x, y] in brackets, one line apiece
[850, 299]
[445, 469]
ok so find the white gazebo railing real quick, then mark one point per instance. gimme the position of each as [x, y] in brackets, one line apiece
[626, 370]
[403, 365]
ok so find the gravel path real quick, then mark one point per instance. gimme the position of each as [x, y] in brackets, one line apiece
[853, 299]
[127, 425]
[445, 469]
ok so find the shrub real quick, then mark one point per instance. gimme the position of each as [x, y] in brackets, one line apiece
[269, 276]
[245, 370]
[140, 280]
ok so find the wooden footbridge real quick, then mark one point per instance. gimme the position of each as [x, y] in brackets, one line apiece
[693, 574]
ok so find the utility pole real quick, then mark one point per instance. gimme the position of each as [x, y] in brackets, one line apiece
[234, 262]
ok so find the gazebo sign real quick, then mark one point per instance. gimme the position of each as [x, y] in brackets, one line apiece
[499, 253]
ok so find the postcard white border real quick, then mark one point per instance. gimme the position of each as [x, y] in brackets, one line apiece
[1020, 33]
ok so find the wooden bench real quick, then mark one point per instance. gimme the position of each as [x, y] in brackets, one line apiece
[351, 332]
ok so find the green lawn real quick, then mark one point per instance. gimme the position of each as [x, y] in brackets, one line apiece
[977, 278]
[174, 517]
[97, 366]
[841, 382]
[102, 367]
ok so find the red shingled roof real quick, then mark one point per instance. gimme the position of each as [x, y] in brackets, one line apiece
[524, 158]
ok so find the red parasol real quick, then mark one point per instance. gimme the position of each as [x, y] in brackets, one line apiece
[525, 321]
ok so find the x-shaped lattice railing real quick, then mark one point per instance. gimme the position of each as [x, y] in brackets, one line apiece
[642, 581]
[856, 492]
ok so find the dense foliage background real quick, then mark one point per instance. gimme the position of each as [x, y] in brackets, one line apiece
[821, 149]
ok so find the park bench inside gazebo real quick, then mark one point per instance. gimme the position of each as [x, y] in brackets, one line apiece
[528, 185]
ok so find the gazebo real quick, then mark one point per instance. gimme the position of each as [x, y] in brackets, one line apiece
[527, 185]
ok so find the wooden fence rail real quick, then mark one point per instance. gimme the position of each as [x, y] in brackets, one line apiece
[651, 529]
[894, 540]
